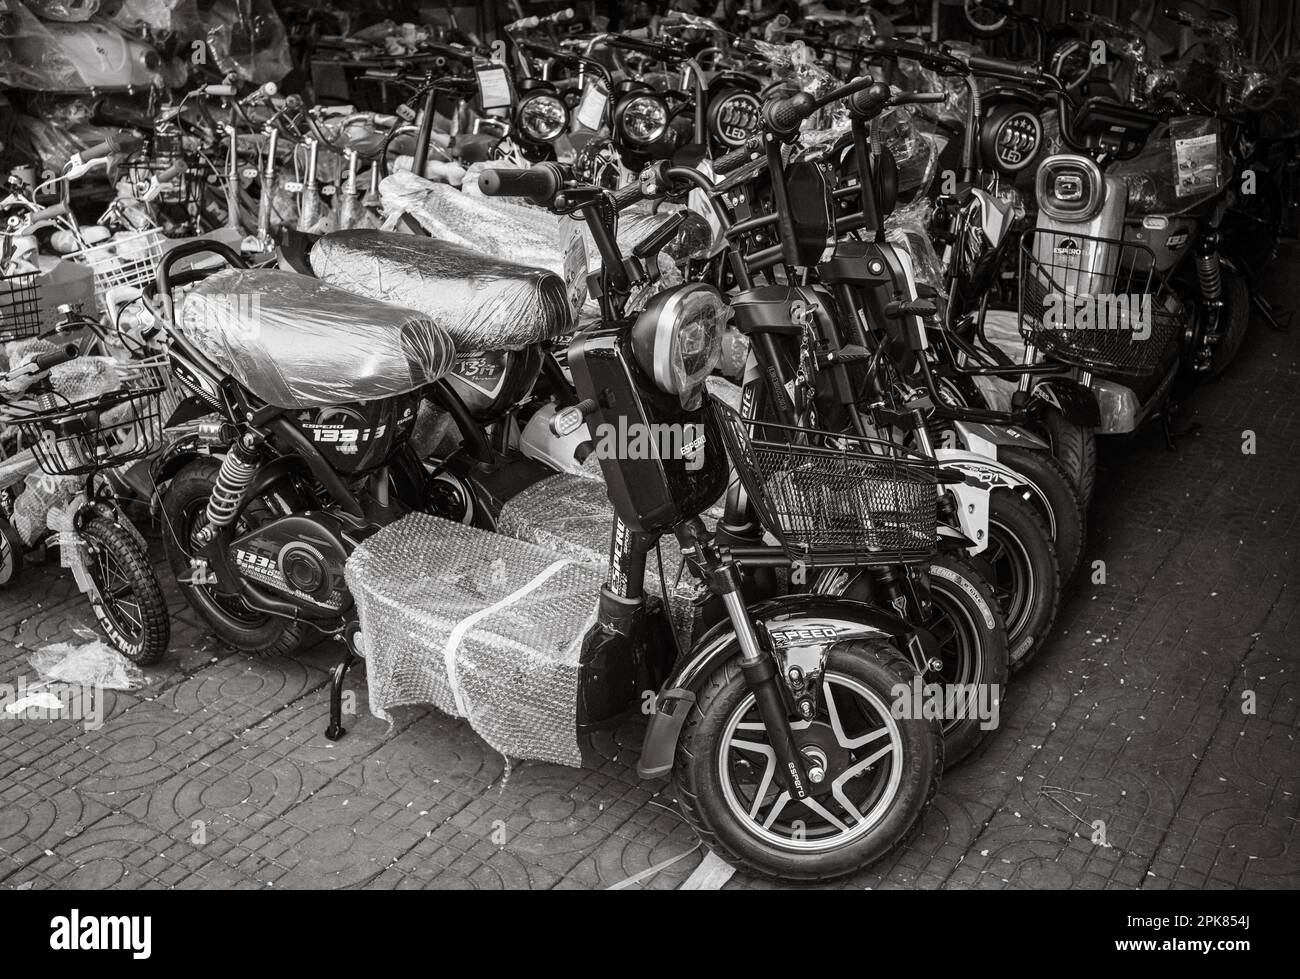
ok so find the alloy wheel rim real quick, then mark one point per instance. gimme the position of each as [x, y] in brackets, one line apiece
[823, 822]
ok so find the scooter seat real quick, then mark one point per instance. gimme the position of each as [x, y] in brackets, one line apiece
[297, 342]
[483, 303]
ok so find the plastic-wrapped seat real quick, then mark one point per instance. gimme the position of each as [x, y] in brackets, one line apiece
[484, 303]
[297, 342]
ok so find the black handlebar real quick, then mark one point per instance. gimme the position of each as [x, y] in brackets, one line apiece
[997, 66]
[539, 184]
[54, 358]
[782, 117]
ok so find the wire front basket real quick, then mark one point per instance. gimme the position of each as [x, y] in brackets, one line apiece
[127, 260]
[833, 499]
[74, 438]
[1094, 303]
[20, 307]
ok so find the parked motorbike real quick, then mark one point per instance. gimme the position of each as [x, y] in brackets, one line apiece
[750, 722]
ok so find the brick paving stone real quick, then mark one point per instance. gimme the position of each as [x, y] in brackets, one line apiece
[1151, 744]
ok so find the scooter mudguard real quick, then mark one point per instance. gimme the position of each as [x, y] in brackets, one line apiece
[983, 476]
[794, 624]
[1076, 402]
[1000, 435]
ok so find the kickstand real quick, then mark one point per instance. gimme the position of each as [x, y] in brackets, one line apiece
[1267, 311]
[336, 729]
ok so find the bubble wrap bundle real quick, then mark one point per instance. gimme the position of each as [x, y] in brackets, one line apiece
[571, 515]
[86, 377]
[482, 626]
[907, 227]
[297, 342]
[483, 303]
[41, 495]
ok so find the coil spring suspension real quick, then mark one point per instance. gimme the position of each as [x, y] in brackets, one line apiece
[234, 476]
[1210, 274]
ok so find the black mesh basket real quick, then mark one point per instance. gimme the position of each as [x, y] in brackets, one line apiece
[73, 438]
[1094, 303]
[835, 499]
[20, 307]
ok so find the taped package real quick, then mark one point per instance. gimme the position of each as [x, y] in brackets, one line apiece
[483, 626]
[483, 303]
[297, 342]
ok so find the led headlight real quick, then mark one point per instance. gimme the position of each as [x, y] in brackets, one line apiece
[677, 339]
[542, 117]
[643, 119]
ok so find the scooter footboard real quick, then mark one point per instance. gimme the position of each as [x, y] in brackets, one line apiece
[482, 626]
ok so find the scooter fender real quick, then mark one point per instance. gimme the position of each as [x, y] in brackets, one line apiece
[984, 439]
[800, 628]
[983, 476]
[1072, 399]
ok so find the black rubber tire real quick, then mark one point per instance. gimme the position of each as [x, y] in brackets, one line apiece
[698, 785]
[139, 582]
[258, 634]
[953, 578]
[11, 554]
[1016, 528]
[1059, 493]
[1075, 447]
[1235, 316]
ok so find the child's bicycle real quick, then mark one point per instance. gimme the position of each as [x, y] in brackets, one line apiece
[72, 430]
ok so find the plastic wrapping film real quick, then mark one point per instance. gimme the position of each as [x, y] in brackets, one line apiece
[483, 303]
[908, 227]
[500, 227]
[246, 38]
[1002, 328]
[42, 495]
[297, 342]
[1177, 171]
[483, 626]
[57, 56]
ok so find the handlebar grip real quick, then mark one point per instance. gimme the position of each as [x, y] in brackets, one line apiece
[45, 213]
[1180, 16]
[172, 172]
[54, 358]
[998, 66]
[737, 158]
[783, 116]
[118, 143]
[219, 91]
[870, 102]
[539, 184]
[625, 197]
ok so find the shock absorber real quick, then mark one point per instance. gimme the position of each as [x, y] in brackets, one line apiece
[233, 478]
[1208, 271]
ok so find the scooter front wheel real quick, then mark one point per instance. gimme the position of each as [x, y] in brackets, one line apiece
[873, 773]
[11, 554]
[126, 597]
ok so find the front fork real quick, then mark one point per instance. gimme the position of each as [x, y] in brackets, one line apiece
[757, 663]
[1209, 280]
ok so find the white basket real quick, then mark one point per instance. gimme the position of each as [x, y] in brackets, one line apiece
[127, 260]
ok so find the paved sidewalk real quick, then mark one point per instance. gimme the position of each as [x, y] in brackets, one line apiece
[218, 773]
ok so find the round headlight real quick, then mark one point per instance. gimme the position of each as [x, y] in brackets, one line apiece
[677, 339]
[542, 117]
[643, 119]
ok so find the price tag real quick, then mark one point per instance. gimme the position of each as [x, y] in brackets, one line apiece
[406, 113]
[575, 272]
[494, 87]
[591, 108]
[327, 190]
[293, 186]
[249, 173]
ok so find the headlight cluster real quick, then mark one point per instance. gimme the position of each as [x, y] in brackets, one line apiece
[542, 116]
[643, 119]
[677, 339]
